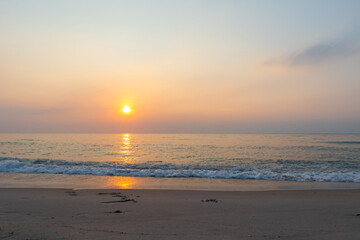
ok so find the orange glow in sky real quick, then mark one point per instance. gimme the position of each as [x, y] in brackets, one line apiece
[244, 71]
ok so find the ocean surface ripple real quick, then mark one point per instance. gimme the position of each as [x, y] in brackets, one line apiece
[320, 158]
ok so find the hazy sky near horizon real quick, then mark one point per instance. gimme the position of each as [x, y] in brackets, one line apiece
[223, 66]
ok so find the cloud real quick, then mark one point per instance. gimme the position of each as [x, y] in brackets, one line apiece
[320, 52]
[323, 52]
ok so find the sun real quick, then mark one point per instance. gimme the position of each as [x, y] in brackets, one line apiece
[126, 109]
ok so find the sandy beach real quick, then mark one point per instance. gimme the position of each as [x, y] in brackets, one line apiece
[179, 120]
[175, 214]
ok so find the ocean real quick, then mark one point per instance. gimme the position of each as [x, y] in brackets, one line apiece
[279, 157]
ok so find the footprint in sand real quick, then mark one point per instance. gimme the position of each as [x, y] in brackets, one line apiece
[124, 198]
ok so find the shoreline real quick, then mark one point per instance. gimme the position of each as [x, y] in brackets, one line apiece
[32, 180]
[42, 213]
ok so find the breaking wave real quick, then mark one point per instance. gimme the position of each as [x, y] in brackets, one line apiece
[283, 170]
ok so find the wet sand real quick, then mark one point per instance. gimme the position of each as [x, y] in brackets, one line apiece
[176, 214]
[33, 180]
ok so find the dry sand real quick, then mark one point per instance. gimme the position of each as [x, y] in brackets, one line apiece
[163, 214]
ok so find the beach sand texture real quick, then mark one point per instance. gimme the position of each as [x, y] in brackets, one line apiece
[169, 214]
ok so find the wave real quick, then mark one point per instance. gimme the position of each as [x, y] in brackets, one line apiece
[159, 169]
[344, 142]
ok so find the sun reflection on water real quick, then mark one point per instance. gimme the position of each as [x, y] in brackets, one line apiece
[126, 149]
[122, 182]
[126, 138]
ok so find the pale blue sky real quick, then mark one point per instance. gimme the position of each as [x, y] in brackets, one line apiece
[186, 66]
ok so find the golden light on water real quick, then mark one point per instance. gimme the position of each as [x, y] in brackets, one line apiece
[122, 182]
[126, 139]
[126, 109]
[126, 150]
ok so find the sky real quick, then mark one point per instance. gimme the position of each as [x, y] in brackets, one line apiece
[214, 66]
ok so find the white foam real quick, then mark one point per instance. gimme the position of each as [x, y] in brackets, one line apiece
[155, 169]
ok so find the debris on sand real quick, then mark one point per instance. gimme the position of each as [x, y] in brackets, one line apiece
[210, 200]
[71, 193]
